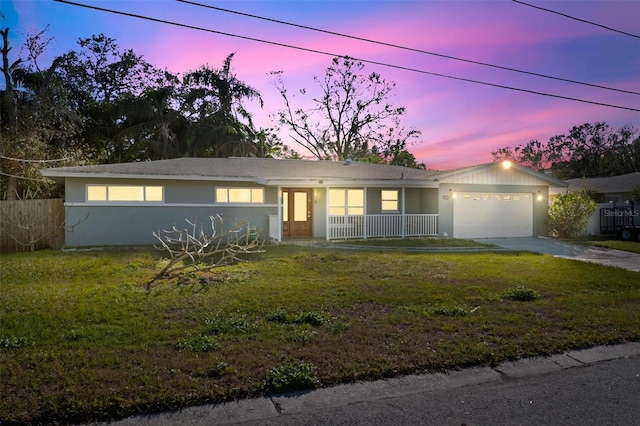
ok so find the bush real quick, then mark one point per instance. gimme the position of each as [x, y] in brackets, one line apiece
[570, 213]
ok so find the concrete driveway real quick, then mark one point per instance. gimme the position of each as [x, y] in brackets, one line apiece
[617, 258]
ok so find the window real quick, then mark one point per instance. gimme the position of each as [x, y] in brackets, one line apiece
[125, 193]
[389, 200]
[346, 201]
[240, 195]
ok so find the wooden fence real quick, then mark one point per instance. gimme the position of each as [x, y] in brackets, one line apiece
[27, 225]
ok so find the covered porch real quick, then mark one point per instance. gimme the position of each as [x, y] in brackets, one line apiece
[381, 226]
[334, 213]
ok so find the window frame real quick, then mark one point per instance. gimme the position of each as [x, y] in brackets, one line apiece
[396, 200]
[146, 193]
[346, 207]
[253, 200]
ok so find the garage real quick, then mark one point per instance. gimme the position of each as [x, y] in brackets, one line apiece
[492, 215]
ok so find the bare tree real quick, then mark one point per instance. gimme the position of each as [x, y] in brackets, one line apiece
[352, 115]
[196, 249]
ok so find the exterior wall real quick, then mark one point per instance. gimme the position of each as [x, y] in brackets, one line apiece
[106, 224]
[445, 204]
[417, 200]
[499, 176]
[421, 201]
[320, 213]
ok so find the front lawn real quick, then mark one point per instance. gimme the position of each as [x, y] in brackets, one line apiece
[83, 338]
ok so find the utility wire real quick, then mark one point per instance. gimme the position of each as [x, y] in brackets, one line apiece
[576, 19]
[33, 161]
[320, 52]
[411, 49]
[23, 177]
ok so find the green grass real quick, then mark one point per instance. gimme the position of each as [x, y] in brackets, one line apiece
[83, 338]
[631, 246]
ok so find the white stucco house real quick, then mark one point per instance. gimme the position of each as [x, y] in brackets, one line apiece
[123, 204]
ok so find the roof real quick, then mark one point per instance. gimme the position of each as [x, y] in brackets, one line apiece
[265, 170]
[607, 185]
[448, 175]
[270, 171]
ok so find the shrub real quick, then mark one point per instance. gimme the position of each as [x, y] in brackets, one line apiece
[294, 375]
[570, 213]
[521, 294]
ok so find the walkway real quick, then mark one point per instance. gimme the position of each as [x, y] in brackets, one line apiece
[559, 248]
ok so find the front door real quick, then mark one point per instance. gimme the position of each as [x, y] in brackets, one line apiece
[297, 212]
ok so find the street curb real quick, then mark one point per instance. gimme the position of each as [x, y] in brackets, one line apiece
[265, 408]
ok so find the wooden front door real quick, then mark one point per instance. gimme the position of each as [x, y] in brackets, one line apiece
[297, 212]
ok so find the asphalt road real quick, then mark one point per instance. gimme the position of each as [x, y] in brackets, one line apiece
[597, 386]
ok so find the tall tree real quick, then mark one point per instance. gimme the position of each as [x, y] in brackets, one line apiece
[587, 150]
[35, 120]
[116, 91]
[350, 117]
[215, 101]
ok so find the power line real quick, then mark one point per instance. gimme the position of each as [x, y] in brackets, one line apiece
[320, 52]
[23, 177]
[576, 19]
[33, 161]
[411, 49]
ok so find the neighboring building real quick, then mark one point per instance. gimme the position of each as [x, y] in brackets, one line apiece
[615, 189]
[616, 207]
[123, 204]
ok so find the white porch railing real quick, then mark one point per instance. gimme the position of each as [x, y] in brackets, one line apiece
[382, 225]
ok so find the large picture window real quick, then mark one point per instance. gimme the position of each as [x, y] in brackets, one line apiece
[240, 195]
[125, 193]
[346, 201]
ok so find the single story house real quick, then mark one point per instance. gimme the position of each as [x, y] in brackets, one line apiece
[123, 204]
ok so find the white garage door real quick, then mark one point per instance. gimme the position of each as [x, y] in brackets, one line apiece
[492, 215]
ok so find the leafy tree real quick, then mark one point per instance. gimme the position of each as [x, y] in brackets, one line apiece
[351, 116]
[214, 102]
[35, 121]
[115, 91]
[531, 154]
[588, 150]
[570, 213]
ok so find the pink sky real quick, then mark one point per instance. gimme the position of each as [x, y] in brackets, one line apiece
[461, 122]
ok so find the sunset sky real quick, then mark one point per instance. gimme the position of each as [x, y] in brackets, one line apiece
[461, 121]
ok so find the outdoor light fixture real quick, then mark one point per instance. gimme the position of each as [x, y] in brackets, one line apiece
[506, 164]
[539, 196]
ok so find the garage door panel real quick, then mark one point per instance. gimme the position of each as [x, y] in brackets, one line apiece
[492, 215]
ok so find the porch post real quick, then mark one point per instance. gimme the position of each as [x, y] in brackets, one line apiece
[326, 215]
[404, 217]
[364, 210]
[280, 236]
